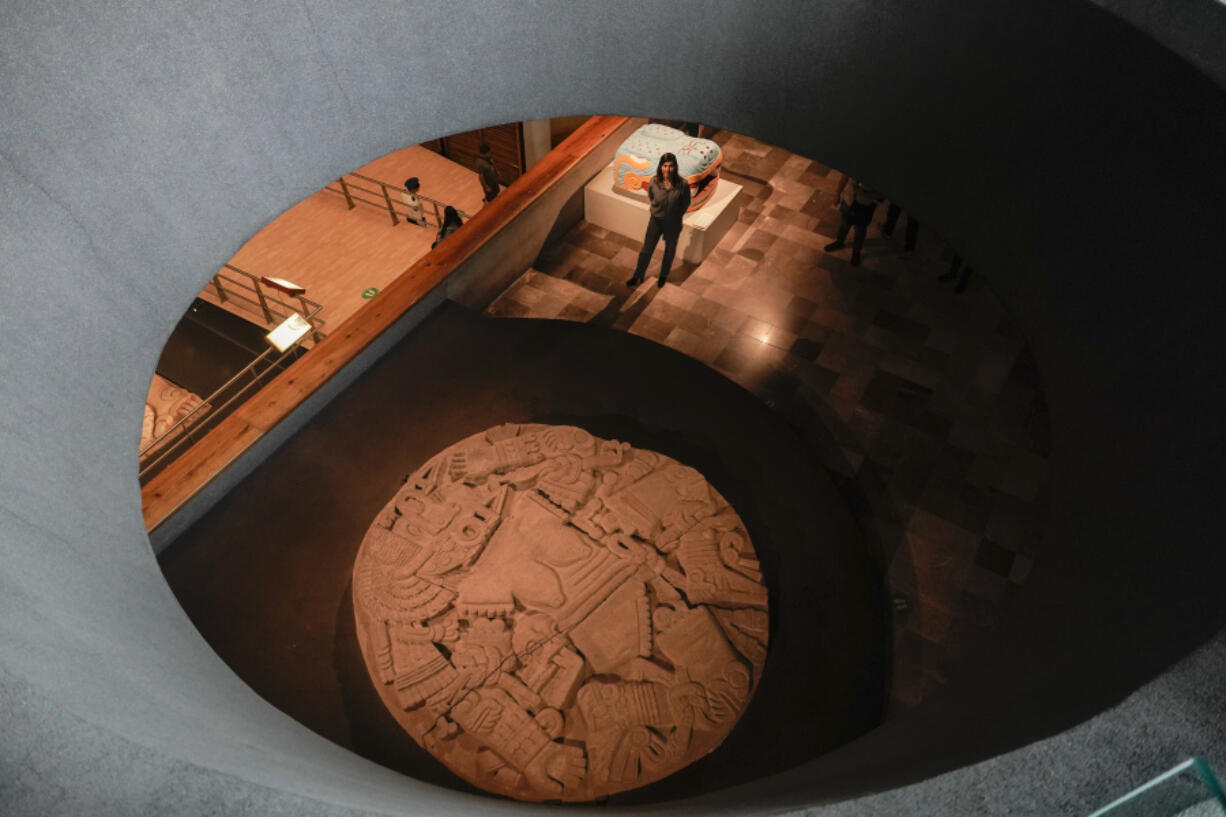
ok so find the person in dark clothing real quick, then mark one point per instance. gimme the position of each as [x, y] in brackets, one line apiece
[959, 272]
[451, 223]
[891, 219]
[855, 203]
[486, 173]
[670, 198]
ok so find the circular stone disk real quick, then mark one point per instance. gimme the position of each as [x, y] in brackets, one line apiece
[558, 617]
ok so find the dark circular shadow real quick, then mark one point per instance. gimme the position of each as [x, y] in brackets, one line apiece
[271, 563]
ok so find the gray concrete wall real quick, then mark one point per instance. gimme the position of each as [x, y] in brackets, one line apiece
[1076, 162]
[1192, 29]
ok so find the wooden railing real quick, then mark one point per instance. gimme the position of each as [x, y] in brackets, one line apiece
[175, 485]
[351, 185]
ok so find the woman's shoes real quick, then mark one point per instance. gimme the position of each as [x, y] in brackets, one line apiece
[633, 282]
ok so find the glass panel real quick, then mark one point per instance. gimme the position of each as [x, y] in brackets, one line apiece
[1188, 790]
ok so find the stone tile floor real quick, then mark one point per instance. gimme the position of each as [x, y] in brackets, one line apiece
[924, 405]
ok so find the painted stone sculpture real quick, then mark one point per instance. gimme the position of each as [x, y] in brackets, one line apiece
[557, 617]
[698, 161]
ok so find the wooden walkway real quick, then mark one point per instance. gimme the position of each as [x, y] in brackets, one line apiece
[337, 253]
[195, 468]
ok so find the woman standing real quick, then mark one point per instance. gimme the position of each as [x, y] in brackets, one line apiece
[670, 198]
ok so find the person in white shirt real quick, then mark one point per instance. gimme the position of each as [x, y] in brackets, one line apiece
[416, 211]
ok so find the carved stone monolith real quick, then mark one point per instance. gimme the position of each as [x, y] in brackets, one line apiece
[558, 617]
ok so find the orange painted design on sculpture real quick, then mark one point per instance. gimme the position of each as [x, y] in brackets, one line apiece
[635, 181]
[632, 180]
[558, 617]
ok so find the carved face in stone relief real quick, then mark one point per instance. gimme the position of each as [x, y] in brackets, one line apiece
[559, 617]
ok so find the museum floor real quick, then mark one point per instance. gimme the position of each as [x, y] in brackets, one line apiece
[337, 253]
[924, 405]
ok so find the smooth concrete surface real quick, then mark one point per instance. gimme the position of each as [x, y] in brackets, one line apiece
[1193, 29]
[626, 214]
[1074, 160]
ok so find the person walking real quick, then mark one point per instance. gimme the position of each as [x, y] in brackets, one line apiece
[451, 223]
[670, 198]
[416, 210]
[891, 219]
[959, 272]
[486, 173]
[855, 203]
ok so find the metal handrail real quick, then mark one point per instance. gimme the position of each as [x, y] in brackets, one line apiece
[187, 426]
[384, 192]
[1212, 789]
[212, 409]
[183, 420]
[190, 422]
[310, 309]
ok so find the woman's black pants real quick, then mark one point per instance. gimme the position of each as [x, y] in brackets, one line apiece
[656, 228]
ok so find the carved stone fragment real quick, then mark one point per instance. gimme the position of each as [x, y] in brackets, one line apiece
[560, 617]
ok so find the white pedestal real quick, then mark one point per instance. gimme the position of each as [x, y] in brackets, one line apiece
[627, 215]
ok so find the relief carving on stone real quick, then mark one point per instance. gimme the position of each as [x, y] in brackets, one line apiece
[558, 617]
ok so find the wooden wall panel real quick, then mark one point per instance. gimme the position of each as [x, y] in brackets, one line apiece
[506, 146]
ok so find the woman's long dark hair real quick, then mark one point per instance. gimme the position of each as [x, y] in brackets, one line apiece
[668, 157]
[450, 216]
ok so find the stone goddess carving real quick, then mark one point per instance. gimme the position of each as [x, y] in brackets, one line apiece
[557, 617]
